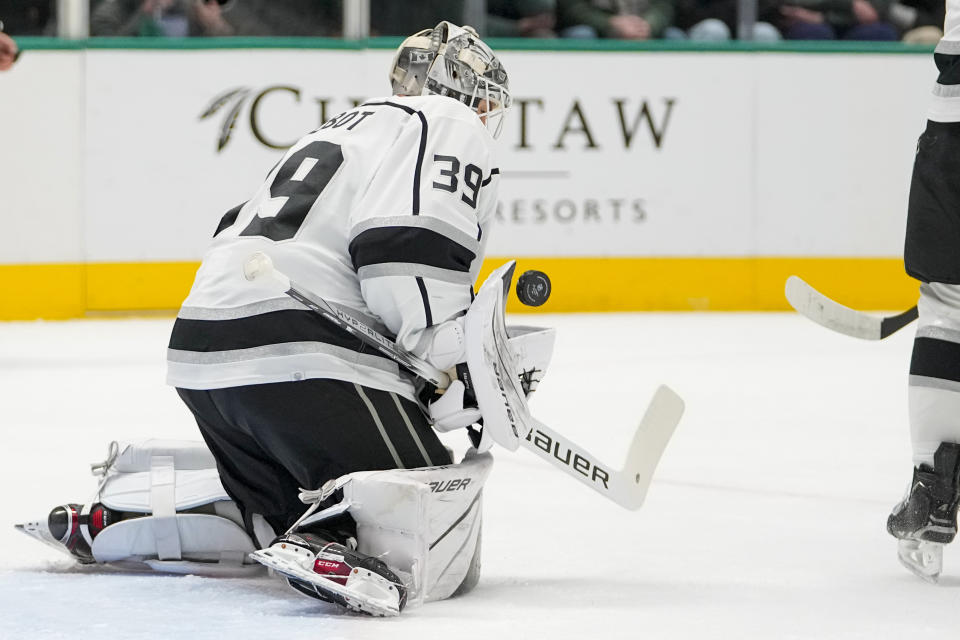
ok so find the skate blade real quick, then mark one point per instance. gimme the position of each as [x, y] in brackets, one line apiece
[38, 530]
[286, 562]
[923, 559]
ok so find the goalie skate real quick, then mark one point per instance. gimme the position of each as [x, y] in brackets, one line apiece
[63, 529]
[331, 572]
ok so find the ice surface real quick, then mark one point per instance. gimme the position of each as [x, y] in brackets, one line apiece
[764, 521]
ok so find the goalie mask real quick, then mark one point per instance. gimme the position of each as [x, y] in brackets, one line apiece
[453, 61]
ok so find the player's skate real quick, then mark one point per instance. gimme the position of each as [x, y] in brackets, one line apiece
[926, 519]
[335, 573]
[63, 528]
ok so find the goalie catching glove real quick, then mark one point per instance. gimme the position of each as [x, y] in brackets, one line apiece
[457, 407]
[494, 368]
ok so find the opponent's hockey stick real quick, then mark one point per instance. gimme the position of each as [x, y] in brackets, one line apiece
[833, 315]
[626, 487]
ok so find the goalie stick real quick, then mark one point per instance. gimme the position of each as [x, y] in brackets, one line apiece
[626, 487]
[833, 315]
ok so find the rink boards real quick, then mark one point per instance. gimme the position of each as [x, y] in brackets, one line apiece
[638, 179]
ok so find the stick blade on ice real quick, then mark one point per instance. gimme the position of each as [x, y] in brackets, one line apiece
[657, 427]
[628, 486]
[832, 315]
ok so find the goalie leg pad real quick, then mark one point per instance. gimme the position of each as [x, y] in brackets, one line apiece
[162, 480]
[423, 523]
[160, 506]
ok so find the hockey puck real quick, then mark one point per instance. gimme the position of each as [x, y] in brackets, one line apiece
[533, 288]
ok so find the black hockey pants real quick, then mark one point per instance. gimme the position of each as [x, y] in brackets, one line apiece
[270, 440]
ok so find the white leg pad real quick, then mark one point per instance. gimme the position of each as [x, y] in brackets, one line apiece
[132, 472]
[208, 545]
[161, 479]
[424, 523]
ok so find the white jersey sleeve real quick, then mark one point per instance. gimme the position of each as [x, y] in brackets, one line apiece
[417, 231]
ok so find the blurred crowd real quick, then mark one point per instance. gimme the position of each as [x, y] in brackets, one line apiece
[915, 21]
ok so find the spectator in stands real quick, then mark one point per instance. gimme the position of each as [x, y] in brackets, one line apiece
[919, 20]
[168, 18]
[302, 18]
[521, 18]
[395, 17]
[829, 20]
[716, 21]
[8, 50]
[29, 17]
[624, 19]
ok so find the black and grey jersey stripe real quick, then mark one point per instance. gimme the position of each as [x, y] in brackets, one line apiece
[947, 58]
[418, 246]
[936, 358]
[947, 88]
[275, 333]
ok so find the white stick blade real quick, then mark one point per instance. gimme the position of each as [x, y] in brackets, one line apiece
[657, 427]
[817, 307]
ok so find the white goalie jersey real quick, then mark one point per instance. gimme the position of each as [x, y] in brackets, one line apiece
[384, 211]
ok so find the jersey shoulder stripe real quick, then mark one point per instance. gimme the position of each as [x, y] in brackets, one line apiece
[409, 245]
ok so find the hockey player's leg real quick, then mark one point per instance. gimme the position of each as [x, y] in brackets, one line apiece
[251, 477]
[418, 539]
[926, 519]
[271, 439]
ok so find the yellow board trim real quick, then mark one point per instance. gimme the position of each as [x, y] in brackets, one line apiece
[61, 291]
